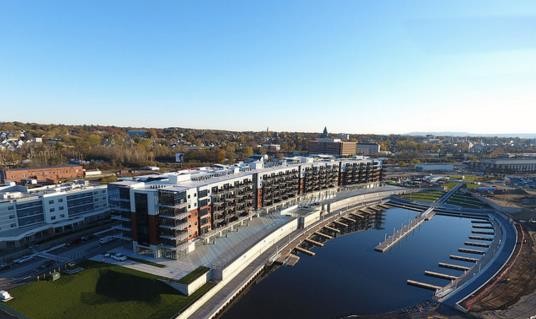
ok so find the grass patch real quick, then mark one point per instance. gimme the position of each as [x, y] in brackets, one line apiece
[147, 262]
[196, 273]
[102, 291]
[427, 196]
[466, 201]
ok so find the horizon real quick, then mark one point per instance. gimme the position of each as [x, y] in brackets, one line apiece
[437, 134]
[290, 66]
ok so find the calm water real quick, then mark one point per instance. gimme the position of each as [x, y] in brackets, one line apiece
[348, 277]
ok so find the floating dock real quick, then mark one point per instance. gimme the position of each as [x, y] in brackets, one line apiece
[292, 260]
[305, 251]
[314, 242]
[481, 222]
[483, 232]
[323, 235]
[332, 229]
[471, 251]
[340, 223]
[422, 285]
[439, 275]
[405, 230]
[482, 227]
[454, 266]
[357, 215]
[481, 238]
[348, 219]
[464, 258]
[476, 244]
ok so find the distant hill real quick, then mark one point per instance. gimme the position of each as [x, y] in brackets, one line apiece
[466, 134]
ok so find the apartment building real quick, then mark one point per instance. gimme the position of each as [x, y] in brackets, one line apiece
[507, 166]
[163, 214]
[31, 215]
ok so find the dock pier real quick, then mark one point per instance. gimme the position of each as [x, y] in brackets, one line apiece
[439, 275]
[476, 244]
[305, 251]
[454, 266]
[463, 258]
[314, 242]
[422, 285]
[471, 251]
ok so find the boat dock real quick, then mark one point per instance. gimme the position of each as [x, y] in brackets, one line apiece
[463, 258]
[454, 266]
[422, 285]
[439, 275]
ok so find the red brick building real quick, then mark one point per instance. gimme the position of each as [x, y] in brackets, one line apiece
[53, 174]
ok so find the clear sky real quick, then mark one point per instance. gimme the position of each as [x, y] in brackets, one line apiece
[356, 66]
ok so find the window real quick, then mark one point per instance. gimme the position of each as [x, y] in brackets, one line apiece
[60, 208]
[53, 218]
[13, 225]
[195, 195]
[10, 207]
[62, 215]
[188, 196]
[11, 216]
[60, 200]
[51, 202]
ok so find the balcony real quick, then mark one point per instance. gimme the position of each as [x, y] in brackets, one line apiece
[120, 218]
[177, 225]
[174, 234]
[122, 228]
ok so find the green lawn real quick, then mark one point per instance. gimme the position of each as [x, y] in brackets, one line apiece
[429, 196]
[101, 291]
[466, 201]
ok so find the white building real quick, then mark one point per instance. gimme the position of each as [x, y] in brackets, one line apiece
[28, 215]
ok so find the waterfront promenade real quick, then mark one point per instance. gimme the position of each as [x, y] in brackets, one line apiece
[223, 293]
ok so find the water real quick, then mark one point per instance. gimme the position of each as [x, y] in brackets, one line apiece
[348, 277]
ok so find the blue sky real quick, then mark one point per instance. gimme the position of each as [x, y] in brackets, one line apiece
[356, 66]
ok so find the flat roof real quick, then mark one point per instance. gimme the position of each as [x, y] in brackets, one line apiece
[41, 168]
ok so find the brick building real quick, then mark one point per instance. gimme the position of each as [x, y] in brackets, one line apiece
[53, 174]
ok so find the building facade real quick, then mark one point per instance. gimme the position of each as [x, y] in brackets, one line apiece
[331, 146]
[31, 215]
[368, 148]
[507, 166]
[162, 215]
